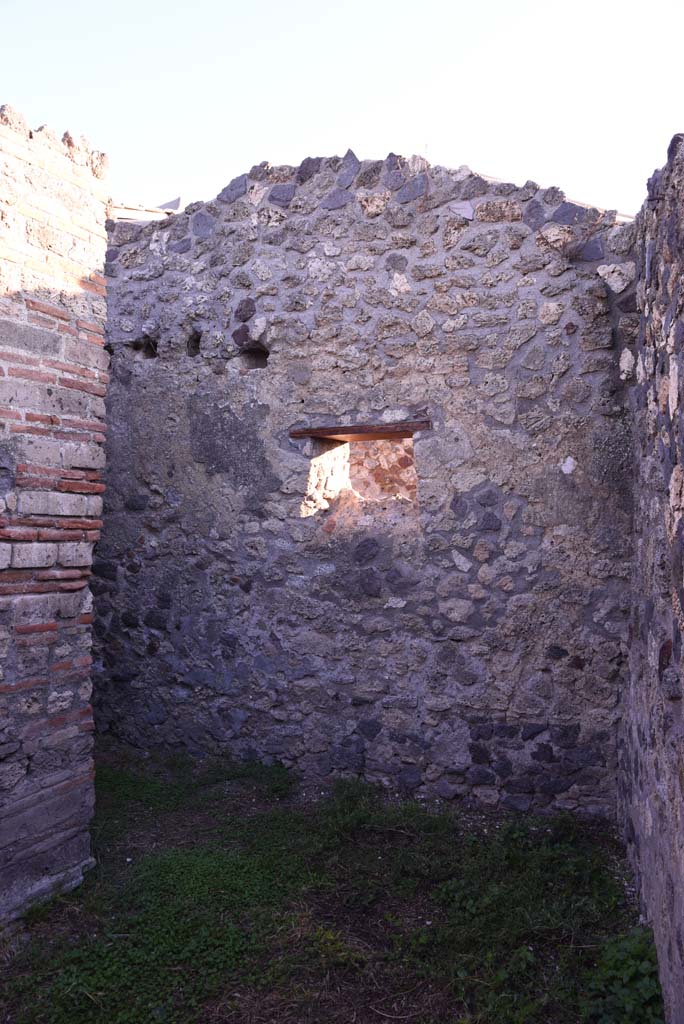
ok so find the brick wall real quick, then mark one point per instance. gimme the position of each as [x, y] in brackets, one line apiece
[52, 385]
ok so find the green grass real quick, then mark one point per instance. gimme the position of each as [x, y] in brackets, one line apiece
[218, 898]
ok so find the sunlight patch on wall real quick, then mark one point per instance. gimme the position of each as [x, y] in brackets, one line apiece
[376, 477]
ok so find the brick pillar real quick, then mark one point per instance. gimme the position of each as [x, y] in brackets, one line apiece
[52, 386]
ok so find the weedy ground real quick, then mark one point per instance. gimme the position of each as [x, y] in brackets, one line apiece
[223, 895]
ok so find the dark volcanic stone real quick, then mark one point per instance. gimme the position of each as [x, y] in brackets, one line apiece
[154, 714]
[459, 505]
[394, 180]
[409, 737]
[245, 310]
[489, 523]
[535, 214]
[479, 753]
[105, 570]
[366, 551]
[570, 213]
[336, 199]
[228, 443]
[520, 784]
[555, 784]
[349, 755]
[532, 729]
[413, 189]
[308, 167]
[184, 245]
[234, 190]
[369, 727]
[370, 583]
[283, 194]
[503, 767]
[487, 498]
[410, 778]
[517, 801]
[671, 684]
[592, 250]
[370, 175]
[241, 337]
[156, 619]
[136, 502]
[582, 757]
[505, 729]
[398, 582]
[259, 172]
[395, 261]
[202, 225]
[565, 735]
[349, 169]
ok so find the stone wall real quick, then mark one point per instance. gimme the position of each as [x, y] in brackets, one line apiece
[52, 383]
[652, 749]
[470, 642]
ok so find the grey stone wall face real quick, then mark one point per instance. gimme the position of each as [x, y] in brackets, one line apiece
[469, 644]
[652, 737]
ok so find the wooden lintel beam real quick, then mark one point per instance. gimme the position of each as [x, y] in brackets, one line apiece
[363, 431]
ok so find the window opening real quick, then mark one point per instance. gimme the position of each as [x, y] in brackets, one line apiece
[365, 471]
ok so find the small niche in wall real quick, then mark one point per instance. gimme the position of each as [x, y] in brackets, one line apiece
[253, 355]
[145, 347]
[363, 471]
[254, 358]
[194, 343]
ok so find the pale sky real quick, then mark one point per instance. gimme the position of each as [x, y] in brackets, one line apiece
[184, 97]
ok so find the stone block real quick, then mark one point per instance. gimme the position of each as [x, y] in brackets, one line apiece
[30, 339]
[5, 554]
[50, 503]
[75, 554]
[28, 556]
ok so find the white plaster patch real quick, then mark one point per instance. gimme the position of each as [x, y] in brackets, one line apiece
[416, 164]
[256, 193]
[320, 270]
[617, 275]
[464, 209]
[262, 270]
[568, 465]
[640, 371]
[627, 364]
[460, 561]
[551, 312]
[423, 323]
[400, 284]
[257, 328]
[673, 393]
